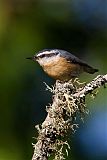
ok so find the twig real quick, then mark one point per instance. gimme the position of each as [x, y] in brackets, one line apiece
[68, 102]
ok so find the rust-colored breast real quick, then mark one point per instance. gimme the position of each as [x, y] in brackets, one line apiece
[60, 68]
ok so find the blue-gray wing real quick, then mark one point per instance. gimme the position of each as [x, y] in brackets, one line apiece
[73, 59]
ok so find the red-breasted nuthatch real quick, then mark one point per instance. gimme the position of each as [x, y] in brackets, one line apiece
[61, 65]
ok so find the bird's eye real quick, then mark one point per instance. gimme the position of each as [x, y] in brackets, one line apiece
[42, 55]
[56, 53]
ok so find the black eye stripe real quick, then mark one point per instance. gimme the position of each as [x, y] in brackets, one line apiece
[48, 55]
[41, 56]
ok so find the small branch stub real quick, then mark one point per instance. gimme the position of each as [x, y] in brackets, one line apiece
[68, 102]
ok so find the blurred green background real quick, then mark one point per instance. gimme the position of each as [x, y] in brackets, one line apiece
[27, 26]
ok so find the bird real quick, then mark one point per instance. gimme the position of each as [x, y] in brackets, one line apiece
[61, 65]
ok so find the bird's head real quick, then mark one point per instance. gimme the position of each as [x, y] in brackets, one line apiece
[45, 56]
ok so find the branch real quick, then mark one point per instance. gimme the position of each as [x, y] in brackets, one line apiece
[96, 83]
[68, 103]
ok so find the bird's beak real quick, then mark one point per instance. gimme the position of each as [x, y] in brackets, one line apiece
[29, 58]
[32, 58]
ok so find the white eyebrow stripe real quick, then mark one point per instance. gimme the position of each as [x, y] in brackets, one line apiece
[46, 52]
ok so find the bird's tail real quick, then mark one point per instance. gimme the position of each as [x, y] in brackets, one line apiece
[90, 69]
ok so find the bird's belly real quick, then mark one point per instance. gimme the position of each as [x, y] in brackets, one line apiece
[63, 70]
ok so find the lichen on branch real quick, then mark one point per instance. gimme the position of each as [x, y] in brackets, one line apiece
[68, 103]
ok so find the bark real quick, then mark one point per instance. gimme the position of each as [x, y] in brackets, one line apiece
[68, 103]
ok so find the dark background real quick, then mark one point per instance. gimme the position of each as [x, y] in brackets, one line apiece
[27, 26]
